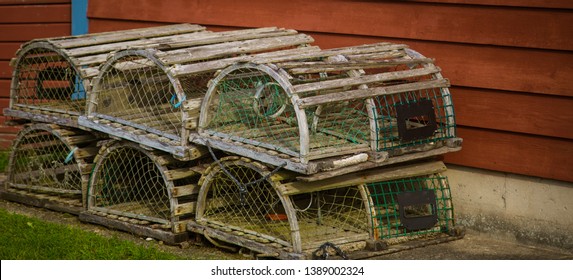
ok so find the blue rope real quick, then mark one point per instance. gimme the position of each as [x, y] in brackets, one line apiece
[70, 155]
[176, 105]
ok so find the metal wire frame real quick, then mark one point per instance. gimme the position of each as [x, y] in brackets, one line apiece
[439, 112]
[383, 202]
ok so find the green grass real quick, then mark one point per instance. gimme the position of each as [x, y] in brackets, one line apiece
[25, 238]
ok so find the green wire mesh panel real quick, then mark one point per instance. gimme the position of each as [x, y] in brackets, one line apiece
[50, 160]
[337, 216]
[413, 117]
[338, 127]
[412, 207]
[44, 79]
[251, 107]
[126, 181]
[241, 197]
[134, 90]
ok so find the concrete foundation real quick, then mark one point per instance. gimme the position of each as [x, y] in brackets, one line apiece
[523, 208]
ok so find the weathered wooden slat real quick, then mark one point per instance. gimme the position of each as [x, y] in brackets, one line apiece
[363, 177]
[371, 92]
[44, 189]
[209, 66]
[366, 79]
[185, 190]
[318, 67]
[180, 173]
[115, 36]
[232, 48]
[184, 40]
[186, 208]
[165, 236]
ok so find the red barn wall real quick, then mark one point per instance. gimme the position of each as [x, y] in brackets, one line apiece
[20, 21]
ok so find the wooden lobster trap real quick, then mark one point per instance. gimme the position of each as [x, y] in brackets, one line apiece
[49, 167]
[52, 77]
[153, 96]
[244, 203]
[143, 191]
[329, 112]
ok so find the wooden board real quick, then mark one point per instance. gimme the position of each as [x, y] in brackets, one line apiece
[40, 202]
[565, 4]
[17, 2]
[25, 32]
[8, 50]
[4, 90]
[517, 112]
[516, 153]
[5, 70]
[36, 13]
[398, 19]
[165, 236]
[523, 68]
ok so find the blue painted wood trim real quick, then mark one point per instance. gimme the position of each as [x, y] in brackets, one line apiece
[79, 17]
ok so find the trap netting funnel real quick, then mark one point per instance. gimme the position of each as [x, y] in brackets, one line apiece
[153, 96]
[244, 203]
[49, 167]
[143, 191]
[52, 77]
[338, 110]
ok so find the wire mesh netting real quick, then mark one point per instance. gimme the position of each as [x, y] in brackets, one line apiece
[337, 216]
[337, 127]
[251, 107]
[42, 162]
[126, 181]
[413, 117]
[411, 207]
[45, 80]
[242, 197]
[134, 90]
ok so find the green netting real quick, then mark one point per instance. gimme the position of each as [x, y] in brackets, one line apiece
[387, 132]
[338, 125]
[386, 218]
[251, 107]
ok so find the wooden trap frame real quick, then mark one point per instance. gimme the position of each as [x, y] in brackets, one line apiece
[244, 203]
[52, 77]
[143, 191]
[49, 167]
[153, 96]
[325, 113]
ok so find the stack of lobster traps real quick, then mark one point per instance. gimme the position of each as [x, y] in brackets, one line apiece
[251, 138]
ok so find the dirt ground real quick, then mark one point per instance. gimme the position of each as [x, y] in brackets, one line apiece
[474, 246]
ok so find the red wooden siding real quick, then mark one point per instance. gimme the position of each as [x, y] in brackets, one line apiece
[20, 21]
[510, 62]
